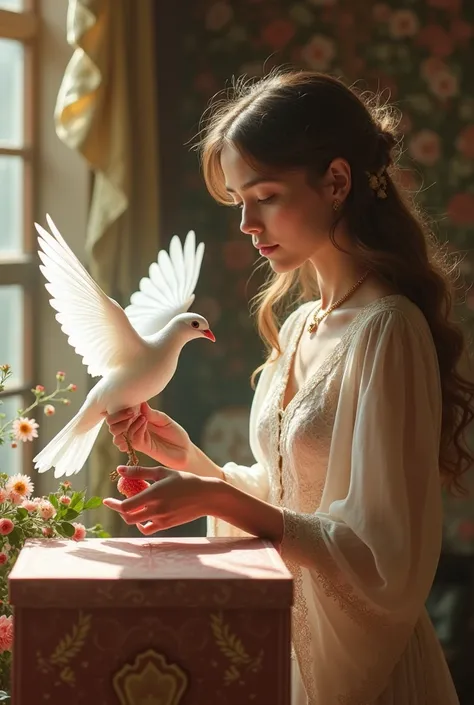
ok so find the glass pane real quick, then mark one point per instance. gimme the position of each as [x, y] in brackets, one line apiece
[11, 90]
[13, 5]
[11, 460]
[11, 205]
[11, 325]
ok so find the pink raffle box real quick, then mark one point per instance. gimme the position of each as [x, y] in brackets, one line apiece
[197, 621]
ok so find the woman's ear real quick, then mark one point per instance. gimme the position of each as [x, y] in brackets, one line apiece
[339, 176]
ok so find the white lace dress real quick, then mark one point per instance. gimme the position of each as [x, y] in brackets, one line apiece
[356, 468]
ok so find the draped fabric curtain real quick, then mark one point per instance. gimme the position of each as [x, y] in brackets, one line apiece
[107, 111]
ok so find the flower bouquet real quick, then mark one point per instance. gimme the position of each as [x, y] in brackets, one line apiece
[25, 516]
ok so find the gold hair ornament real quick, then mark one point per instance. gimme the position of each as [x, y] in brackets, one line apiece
[378, 182]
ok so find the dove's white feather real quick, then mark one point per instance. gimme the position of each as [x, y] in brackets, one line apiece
[168, 289]
[96, 326]
[70, 448]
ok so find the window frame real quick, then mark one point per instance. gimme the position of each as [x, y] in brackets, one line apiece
[22, 268]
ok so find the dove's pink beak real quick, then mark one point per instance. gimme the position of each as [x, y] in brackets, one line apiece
[209, 334]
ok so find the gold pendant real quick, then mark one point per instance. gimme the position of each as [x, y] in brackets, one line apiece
[313, 327]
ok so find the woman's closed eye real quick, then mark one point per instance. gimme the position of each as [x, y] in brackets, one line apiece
[268, 199]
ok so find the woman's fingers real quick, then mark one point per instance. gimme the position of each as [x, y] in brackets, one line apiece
[120, 416]
[139, 516]
[150, 528]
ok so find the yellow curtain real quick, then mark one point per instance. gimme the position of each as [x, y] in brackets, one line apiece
[107, 110]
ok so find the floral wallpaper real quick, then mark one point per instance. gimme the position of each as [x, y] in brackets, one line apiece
[419, 53]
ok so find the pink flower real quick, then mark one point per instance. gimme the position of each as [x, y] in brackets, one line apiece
[444, 84]
[461, 209]
[465, 142]
[425, 147]
[6, 526]
[15, 498]
[65, 500]
[436, 39]
[218, 15]
[79, 533]
[60, 376]
[72, 388]
[39, 388]
[381, 12]
[278, 33]
[45, 509]
[29, 505]
[319, 53]
[6, 633]
[47, 531]
[3, 557]
[431, 67]
[403, 23]
[49, 410]
[453, 5]
[3, 495]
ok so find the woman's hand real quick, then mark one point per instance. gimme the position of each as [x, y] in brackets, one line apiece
[177, 497]
[174, 498]
[153, 433]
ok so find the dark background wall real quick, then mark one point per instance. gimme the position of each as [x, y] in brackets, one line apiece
[420, 53]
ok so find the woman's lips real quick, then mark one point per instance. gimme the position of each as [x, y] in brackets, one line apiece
[265, 251]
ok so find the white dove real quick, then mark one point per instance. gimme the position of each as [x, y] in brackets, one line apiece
[135, 350]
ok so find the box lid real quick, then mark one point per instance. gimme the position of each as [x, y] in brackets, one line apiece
[141, 572]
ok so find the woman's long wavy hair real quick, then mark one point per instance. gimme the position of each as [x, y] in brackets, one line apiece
[302, 119]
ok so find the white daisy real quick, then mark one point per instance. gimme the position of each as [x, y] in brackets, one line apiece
[25, 429]
[19, 485]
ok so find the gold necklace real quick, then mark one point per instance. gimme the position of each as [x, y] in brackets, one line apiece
[318, 316]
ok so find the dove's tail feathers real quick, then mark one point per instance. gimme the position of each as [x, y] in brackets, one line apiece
[68, 451]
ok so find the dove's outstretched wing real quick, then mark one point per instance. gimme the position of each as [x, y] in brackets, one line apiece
[169, 288]
[96, 326]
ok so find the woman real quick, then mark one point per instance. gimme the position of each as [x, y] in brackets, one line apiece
[359, 412]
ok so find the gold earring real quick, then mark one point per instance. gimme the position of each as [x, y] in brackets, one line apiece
[336, 205]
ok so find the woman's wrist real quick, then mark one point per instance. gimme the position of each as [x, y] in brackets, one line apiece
[198, 463]
[242, 510]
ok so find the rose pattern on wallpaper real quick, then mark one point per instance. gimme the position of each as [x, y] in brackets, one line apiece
[419, 53]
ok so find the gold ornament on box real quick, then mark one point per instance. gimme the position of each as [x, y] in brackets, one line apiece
[58, 663]
[150, 680]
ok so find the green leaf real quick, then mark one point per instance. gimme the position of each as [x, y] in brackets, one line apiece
[76, 499]
[54, 500]
[15, 537]
[21, 513]
[79, 506]
[93, 503]
[67, 529]
[103, 535]
[71, 514]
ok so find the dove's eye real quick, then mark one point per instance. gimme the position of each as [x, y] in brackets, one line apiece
[195, 324]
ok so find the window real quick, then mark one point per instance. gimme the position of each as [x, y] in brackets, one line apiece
[18, 268]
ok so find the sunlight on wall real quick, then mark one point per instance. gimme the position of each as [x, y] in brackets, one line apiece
[63, 192]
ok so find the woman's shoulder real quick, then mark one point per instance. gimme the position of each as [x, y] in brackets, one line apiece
[395, 313]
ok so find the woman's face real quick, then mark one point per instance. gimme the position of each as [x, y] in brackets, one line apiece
[288, 220]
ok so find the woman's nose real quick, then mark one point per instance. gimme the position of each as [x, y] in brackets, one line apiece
[249, 224]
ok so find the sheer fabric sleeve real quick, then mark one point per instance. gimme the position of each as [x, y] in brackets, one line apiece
[371, 550]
